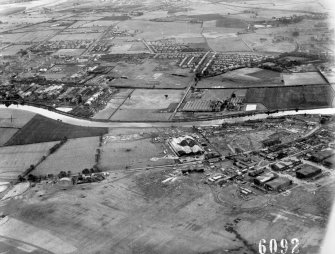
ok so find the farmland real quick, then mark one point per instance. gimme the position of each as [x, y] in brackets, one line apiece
[13, 118]
[292, 97]
[16, 159]
[74, 36]
[6, 134]
[306, 78]
[37, 130]
[75, 155]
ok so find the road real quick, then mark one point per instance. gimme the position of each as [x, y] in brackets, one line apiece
[129, 124]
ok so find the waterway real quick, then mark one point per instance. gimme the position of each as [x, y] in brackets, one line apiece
[120, 124]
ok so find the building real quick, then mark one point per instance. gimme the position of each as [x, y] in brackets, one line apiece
[278, 184]
[307, 171]
[271, 142]
[256, 172]
[329, 162]
[279, 166]
[322, 155]
[262, 179]
[185, 145]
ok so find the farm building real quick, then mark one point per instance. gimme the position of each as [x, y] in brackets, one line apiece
[185, 145]
[278, 184]
[262, 179]
[307, 171]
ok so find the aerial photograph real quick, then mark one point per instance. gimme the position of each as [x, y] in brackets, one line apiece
[167, 127]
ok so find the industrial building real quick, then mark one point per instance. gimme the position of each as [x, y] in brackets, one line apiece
[307, 171]
[262, 179]
[322, 155]
[278, 184]
[185, 145]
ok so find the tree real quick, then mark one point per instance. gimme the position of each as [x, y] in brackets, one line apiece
[62, 174]
[32, 178]
[295, 33]
[20, 178]
[86, 171]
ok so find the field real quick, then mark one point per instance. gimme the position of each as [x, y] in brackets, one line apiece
[75, 36]
[27, 37]
[261, 40]
[38, 130]
[16, 159]
[253, 75]
[136, 207]
[146, 104]
[152, 72]
[149, 30]
[127, 44]
[6, 134]
[228, 44]
[132, 153]
[304, 78]
[69, 52]
[221, 94]
[13, 118]
[75, 155]
[302, 97]
[245, 77]
[12, 50]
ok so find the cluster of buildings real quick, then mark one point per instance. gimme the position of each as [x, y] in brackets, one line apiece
[200, 105]
[57, 95]
[226, 62]
[54, 45]
[171, 46]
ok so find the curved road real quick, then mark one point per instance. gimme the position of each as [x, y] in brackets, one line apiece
[92, 123]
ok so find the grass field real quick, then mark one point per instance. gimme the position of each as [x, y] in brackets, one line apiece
[305, 78]
[131, 154]
[69, 52]
[13, 118]
[156, 30]
[75, 155]
[16, 159]
[146, 104]
[152, 72]
[27, 37]
[227, 44]
[12, 50]
[302, 97]
[42, 129]
[152, 99]
[6, 134]
[75, 36]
